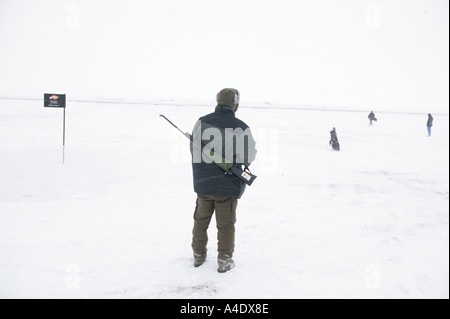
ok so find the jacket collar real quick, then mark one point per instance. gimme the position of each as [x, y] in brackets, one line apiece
[225, 109]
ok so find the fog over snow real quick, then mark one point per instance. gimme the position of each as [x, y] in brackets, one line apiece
[382, 55]
[115, 220]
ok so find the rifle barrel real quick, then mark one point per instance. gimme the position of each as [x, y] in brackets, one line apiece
[184, 133]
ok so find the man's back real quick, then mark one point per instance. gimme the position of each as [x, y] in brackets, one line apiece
[222, 132]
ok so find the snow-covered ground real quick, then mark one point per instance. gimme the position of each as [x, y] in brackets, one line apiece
[115, 220]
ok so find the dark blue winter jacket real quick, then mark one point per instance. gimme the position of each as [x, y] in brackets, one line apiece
[232, 138]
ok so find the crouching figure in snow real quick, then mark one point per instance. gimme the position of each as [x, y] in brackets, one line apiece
[334, 143]
[371, 117]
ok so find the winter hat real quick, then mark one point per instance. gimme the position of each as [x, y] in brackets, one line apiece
[229, 97]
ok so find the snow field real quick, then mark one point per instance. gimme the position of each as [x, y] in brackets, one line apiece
[115, 220]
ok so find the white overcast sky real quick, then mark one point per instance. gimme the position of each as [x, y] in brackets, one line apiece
[378, 54]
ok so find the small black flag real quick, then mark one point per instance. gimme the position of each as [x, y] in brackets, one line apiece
[54, 100]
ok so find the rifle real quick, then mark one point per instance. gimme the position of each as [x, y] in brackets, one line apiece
[229, 168]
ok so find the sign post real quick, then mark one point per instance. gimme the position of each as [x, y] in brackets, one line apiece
[59, 101]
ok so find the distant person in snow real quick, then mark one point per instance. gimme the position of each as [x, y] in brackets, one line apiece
[218, 191]
[372, 117]
[334, 143]
[429, 124]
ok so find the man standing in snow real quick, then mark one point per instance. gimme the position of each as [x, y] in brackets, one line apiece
[216, 189]
[429, 124]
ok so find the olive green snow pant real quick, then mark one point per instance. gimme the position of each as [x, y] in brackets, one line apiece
[225, 209]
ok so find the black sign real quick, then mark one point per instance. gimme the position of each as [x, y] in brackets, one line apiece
[54, 100]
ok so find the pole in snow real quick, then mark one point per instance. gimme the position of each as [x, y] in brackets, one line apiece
[58, 101]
